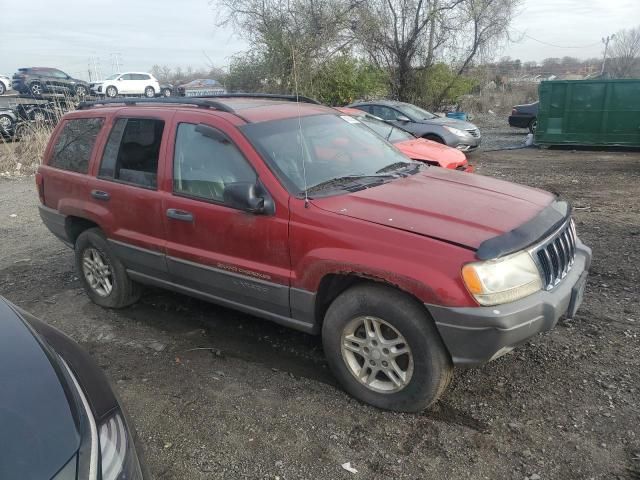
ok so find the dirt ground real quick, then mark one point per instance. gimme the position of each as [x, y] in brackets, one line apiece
[219, 394]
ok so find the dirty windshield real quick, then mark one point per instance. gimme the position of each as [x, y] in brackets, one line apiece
[331, 151]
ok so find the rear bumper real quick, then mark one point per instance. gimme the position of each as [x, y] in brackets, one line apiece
[55, 222]
[477, 335]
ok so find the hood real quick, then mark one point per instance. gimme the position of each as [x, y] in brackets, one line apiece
[449, 122]
[428, 151]
[452, 206]
[38, 434]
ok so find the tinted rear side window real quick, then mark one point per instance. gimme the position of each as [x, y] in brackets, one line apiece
[74, 145]
[132, 151]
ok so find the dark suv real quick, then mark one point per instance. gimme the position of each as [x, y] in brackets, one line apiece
[294, 213]
[37, 81]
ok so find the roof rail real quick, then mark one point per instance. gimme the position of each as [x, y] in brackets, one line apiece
[200, 102]
[266, 96]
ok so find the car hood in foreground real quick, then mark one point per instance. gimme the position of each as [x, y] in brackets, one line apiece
[38, 434]
[452, 206]
[428, 151]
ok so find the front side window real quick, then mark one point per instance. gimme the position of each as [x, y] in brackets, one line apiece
[132, 152]
[58, 74]
[205, 162]
[72, 150]
[316, 149]
[416, 113]
[126, 76]
[386, 130]
[383, 112]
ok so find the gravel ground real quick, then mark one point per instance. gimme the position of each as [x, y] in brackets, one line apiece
[218, 394]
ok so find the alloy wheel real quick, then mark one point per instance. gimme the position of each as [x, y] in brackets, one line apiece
[5, 123]
[111, 92]
[97, 272]
[377, 354]
[36, 89]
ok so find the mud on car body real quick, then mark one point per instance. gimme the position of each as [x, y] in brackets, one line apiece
[292, 212]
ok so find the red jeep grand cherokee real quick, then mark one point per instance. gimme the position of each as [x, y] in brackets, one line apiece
[291, 212]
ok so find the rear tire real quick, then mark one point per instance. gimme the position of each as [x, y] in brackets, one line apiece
[6, 123]
[103, 276]
[420, 375]
[2, 89]
[36, 89]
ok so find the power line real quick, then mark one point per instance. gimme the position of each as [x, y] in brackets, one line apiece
[524, 34]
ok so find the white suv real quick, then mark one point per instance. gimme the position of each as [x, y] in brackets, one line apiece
[129, 83]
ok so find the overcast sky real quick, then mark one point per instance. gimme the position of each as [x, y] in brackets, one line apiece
[68, 34]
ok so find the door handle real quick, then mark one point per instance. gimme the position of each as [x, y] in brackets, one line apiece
[180, 215]
[100, 195]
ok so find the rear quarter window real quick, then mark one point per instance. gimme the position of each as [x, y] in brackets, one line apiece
[73, 147]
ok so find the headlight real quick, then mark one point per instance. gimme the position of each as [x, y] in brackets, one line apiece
[503, 280]
[457, 132]
[118, 457]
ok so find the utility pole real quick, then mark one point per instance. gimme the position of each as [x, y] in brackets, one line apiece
[606, 41]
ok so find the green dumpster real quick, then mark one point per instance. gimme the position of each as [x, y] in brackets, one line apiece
[589, 112]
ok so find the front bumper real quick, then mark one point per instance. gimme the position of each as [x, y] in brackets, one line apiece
[467, 143]
[477, 335]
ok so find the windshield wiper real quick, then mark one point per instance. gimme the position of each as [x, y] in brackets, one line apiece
[394, 167]
[345, 180]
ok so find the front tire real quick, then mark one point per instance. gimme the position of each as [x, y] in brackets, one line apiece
[2, 89]
[111, 91]
[103, 276]
[434, 138]
[166, 92]
[149, 92]
[81, 91]
[384, 348]
[533, 125]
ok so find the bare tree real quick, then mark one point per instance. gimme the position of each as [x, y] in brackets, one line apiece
[625, 54]
[406, 36]
[284, 32]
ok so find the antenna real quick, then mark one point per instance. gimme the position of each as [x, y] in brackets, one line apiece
[304, 168]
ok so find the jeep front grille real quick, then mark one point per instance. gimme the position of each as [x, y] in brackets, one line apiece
[555, 256]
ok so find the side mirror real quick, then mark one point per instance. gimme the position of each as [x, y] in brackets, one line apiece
[119, 79]
[243, 196]
[403, 118]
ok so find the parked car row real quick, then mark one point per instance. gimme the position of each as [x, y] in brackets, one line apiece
[14, 119]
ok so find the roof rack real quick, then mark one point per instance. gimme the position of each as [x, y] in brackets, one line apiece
[266, 96]
[198, 101]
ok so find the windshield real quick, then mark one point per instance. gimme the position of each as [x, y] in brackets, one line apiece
[415, 112]
[387, 131]
[332, 146]
[113, 77]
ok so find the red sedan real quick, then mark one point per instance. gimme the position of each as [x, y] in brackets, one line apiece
[418, 149]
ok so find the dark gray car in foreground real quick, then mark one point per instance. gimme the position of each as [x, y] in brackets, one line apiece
[59, 418]
[464, 136]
